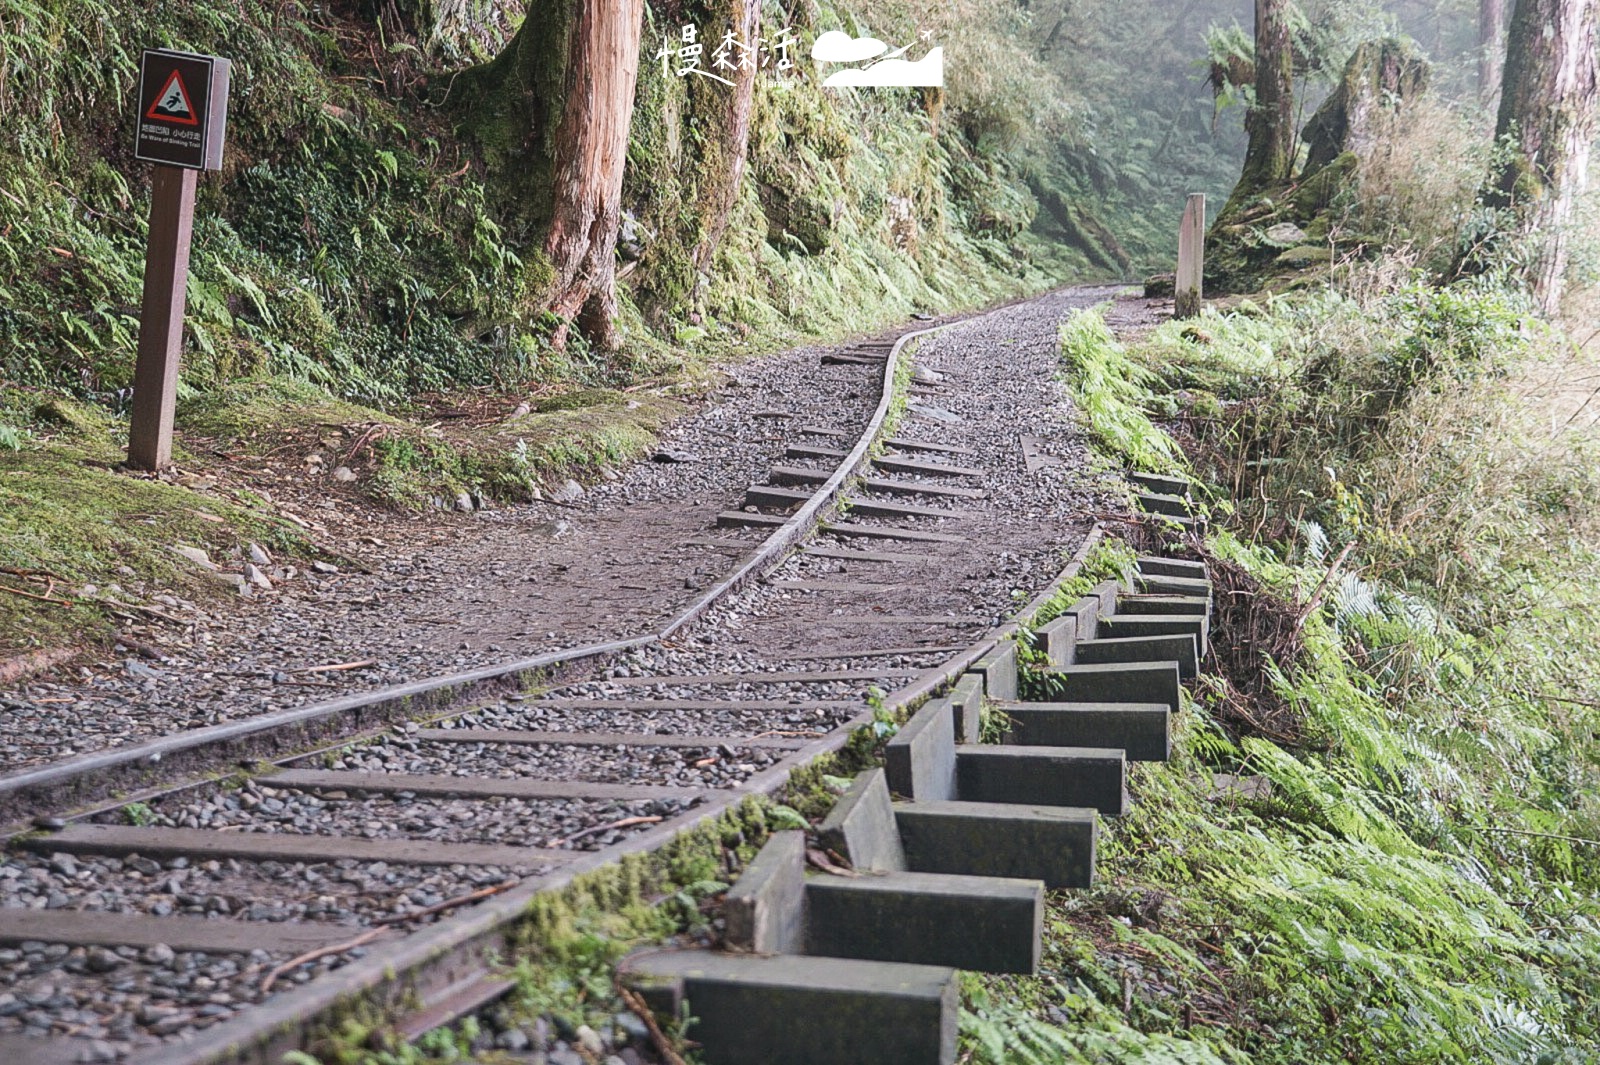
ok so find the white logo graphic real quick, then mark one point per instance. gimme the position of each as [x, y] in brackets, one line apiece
[889, 71]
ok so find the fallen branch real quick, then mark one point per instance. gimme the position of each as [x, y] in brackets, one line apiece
[40, 598]
[1322, 586]
[1542, 835]
[808, 734]
[635, 1002]
[449, 904]
[338, 668]
[321, 952]
[626, 822]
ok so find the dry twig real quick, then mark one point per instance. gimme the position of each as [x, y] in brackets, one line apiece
[321, 952]
[626, 822]
[450, 904]
[635, 1002]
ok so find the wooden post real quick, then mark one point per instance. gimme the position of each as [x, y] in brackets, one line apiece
[1188, 287]
[166, 283]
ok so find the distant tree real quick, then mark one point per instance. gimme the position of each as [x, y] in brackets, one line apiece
[1491, 19]
[1547, 123]
[552, 113]
[728, 139]
[1269, 157]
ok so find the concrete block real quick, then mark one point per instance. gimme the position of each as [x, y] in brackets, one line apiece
[1050, 843]
[1055, 639]
[1133, 682]
[1165, 604]
[1140, 730]
[1044, 776]
[1157, 503]
[861, 827]
[1173, 586]
[793, 1010]
[1119, 625]
[978, 923]
[1085, 612]
[999, 671]
[967, 696]
[1155, 482]
[1182, 648]
[920, 761]
[765, 908]
[1151, 566]
[1109, 592]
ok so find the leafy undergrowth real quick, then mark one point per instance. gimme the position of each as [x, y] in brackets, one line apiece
[1388, 851]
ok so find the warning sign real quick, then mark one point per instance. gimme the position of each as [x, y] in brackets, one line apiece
[183, 106]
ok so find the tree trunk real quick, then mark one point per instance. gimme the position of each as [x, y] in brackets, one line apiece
[725, 150]
[552, 114]
[1270, 156]
[1547, 113]
[1491, 17]
[591, 146]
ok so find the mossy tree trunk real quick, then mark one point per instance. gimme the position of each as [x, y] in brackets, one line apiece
[1269, 158]
[725, 149]
[1547, 115]
[552, 113]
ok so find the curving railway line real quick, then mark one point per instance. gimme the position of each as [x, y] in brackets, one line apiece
[212, 895]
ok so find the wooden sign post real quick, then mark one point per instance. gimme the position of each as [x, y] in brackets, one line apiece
[182, 117]
[1190, 281]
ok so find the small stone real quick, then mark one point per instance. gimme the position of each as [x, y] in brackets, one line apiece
[668, 454]
[51, 824]
[924, 376]
[514, 1040]
[1285, 234]
[344, 474]
[197, 556]
[464, 502]
[158, 954]
[258, 555]
[570, 491]
[324, 567]
[254, 575]
[101, 960]
[64, 864]
[589, 1039]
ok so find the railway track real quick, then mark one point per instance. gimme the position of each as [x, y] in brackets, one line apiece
[382, 844]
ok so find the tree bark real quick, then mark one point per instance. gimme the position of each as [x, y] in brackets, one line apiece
[552, 114]
[591, 146]
[725, 151]
[1547, 116]
[1491, 17]
[1269, 158]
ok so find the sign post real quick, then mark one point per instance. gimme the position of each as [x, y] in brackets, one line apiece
[1188, 285]
[182, 117]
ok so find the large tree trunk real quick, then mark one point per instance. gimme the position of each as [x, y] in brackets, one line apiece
[1269, 158]
[1547, 111]
[1491, 17]
[552, 113]
[724, 154]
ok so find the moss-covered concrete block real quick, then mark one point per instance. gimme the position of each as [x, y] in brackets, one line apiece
[1044, 776]
[765, 909]
[1056, 639]
[861, 827]
[1049, 843]
[794, 1010]
[999, 671]
[967, 698]
[977, 923]
[1181, 647]
[1142, 731]
[920, 762]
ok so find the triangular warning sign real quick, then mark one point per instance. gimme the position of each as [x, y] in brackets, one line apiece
[172, 103]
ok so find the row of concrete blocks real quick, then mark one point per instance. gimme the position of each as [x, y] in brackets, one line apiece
[1166, 496]
[862, 967]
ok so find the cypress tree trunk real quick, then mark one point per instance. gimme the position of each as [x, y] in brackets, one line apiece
[552, 113]
[1270, 156]
[1548, 112]
[725, 149]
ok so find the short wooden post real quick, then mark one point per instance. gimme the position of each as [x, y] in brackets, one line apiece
[166, 284]
[1188, 287]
